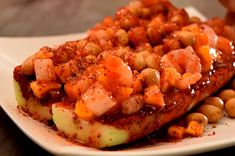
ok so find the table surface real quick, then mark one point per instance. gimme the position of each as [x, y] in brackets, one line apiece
[47, 17]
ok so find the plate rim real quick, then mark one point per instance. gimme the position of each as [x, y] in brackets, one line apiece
[190, 150]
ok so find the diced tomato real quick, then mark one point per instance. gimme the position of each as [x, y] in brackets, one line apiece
[204, 54]
[123, 93]
[74, 88]
[200, 40]
[224, 45]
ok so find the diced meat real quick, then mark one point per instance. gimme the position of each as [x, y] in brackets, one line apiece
[44, 70]
[133, 104]
[97, 99]
[66, 70]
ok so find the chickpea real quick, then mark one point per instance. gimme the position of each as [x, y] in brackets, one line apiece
[230, 107]
[213, 113]
[170, 44]
[199, 117]
[186, 37]
[144, 47]
[179, 16]
[215, 101]
[176, 132]
[81, 44]
[122, 37]
[158, 50]
[92, 48]
[168, 28]
[103, 54]
[194, 20]
[126, 18]
[120, 52]
[139, 61]
[135, 7]
[135, 60]
[137, 36]
[90, 59]
[154, 35]
[151, 76]
[145, 12]
[152, 60]
[227, 94]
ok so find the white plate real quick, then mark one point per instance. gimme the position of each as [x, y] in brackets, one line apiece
[14, 50]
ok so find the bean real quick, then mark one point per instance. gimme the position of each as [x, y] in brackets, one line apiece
[199, 117]
[135, 7]
[92, 48]
[81, 44]
[122, 37]
[137, 36]
[186, 37]
[154, 35]
[135, 60]
[153, 60]
[179, 16]
[227, 94]
[230, 107]
[213, 113]
[170, 44]
[126, 18]
[158, 50]
[215, 101]
[144, 47]
[139, 61]
[145, 12]
[151, 76]
[195, 20]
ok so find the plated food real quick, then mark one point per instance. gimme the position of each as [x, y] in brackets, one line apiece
[132, 75]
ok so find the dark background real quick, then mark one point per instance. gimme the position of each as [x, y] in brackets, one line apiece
[54, 17]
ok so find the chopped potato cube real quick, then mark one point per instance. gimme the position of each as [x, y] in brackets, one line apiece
[83, 112]
[176, 132]
[40, 89]
[194, 129]
[153, 96]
